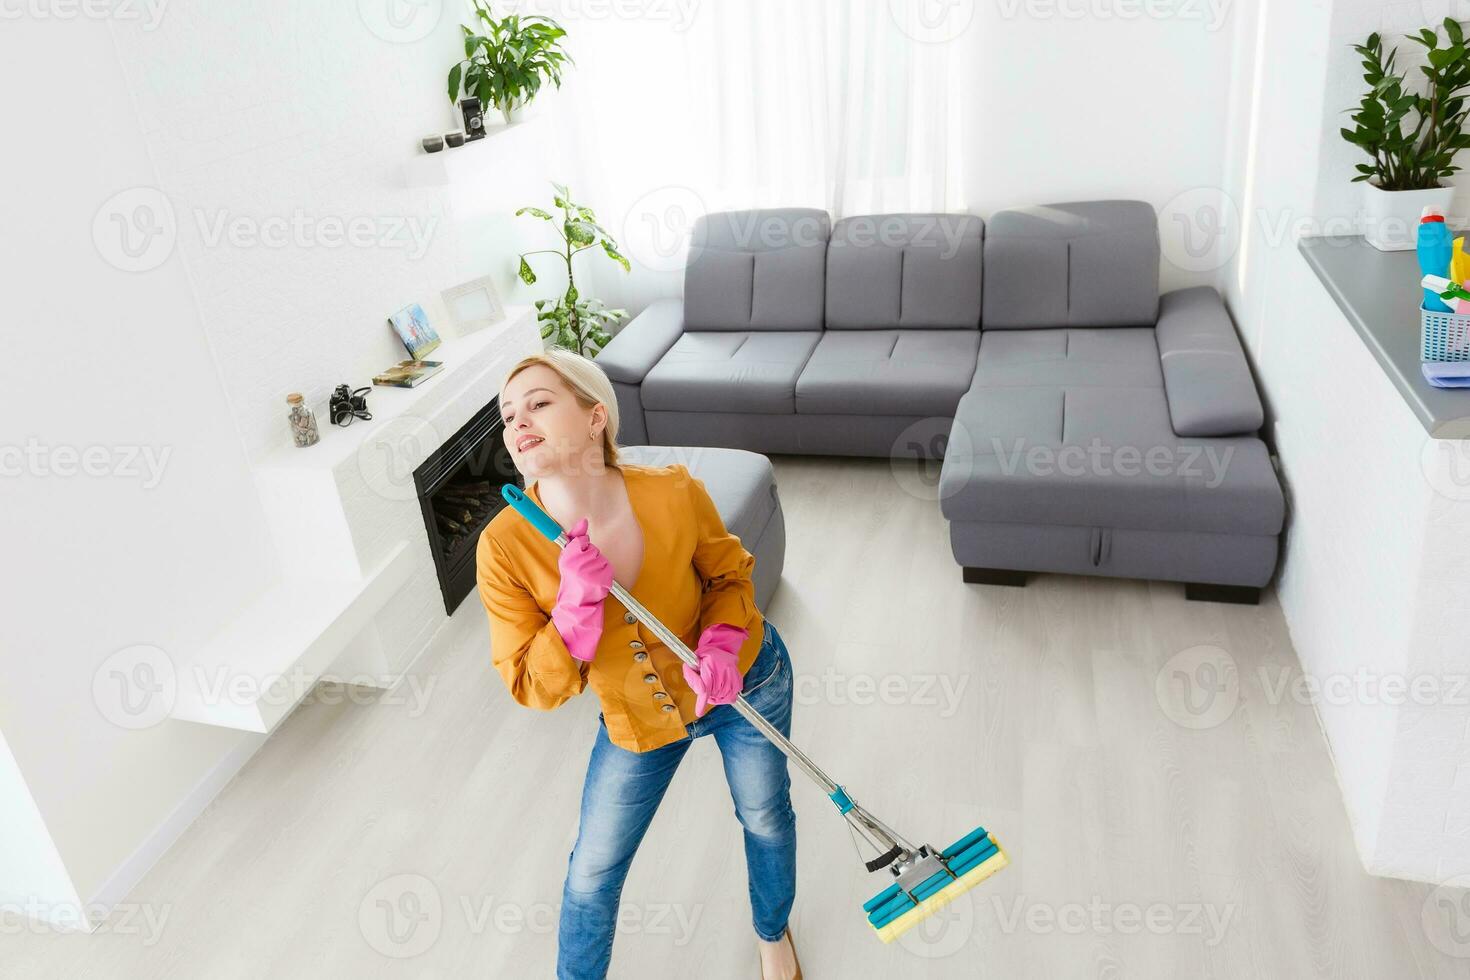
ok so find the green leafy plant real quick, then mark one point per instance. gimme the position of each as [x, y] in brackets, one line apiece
[506, 65]
[574, 321]
[1412, 136]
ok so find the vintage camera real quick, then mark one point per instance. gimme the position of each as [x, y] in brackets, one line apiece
[474, 118]
[348, 404]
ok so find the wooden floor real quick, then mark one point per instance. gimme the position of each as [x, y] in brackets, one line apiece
[1154, 833]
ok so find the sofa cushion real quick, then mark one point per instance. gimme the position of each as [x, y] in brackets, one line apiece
[730, 371]
[757, 270]
[1206, 376]
[888, 372]
[1072, 427]
[1088, 264]
[905, 270]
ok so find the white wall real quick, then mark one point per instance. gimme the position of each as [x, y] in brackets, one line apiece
[1360, 579]
[1088, 99]
[186, 350]
[115, 363]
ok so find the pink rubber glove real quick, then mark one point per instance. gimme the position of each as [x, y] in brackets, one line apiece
[586, 579]
[718, 679]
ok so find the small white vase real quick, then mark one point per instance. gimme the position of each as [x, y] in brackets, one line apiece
[514, 113]
[1391, 218]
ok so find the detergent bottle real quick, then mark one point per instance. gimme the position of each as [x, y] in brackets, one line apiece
[1435, 246]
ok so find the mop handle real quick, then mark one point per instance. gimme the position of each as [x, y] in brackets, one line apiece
[879, 834]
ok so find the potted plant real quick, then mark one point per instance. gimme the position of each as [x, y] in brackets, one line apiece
[574, 321]
[506, 65]
[1411, 136]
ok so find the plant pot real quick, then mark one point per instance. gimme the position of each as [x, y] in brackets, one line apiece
[513, 113]
[1391, 218]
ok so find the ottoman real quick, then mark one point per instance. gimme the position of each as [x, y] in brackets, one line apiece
[743, 486]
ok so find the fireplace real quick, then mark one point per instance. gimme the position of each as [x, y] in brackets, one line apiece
[459, 492]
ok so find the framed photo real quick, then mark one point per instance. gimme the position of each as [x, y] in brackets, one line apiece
[473, 305]
[412, 324]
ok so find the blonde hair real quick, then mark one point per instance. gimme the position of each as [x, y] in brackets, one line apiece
[588, 383]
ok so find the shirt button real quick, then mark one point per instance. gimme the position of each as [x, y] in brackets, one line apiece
[636, 644]
[668, 707]
[629, 618]
[650, 678]
[640, 656]
[659, 695]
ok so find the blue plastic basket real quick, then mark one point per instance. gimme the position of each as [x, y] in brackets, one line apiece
[1443, 336]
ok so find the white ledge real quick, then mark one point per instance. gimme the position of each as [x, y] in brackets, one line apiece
[253, 672]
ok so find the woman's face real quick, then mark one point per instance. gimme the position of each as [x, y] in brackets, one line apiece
[546, 430]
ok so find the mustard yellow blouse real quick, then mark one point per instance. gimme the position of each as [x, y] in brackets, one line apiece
[695, 573]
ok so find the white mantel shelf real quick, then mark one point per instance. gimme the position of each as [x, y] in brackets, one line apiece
[393, 407]
[359, 599]
[468, 162]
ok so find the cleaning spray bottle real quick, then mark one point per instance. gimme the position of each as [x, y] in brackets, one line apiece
[1434, 244]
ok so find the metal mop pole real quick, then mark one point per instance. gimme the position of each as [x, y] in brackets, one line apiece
[888, 843]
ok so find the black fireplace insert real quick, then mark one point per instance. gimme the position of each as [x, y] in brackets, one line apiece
[459, 491]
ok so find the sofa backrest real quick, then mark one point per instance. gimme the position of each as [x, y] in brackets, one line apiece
[1084, 264]
[905, 270]
[757, 270]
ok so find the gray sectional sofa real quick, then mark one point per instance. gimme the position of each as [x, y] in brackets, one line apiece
[1086, 423]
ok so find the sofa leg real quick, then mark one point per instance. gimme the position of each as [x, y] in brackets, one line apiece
[1241, 595]
[994, 576]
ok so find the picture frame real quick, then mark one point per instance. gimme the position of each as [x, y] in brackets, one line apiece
[412, 326]
[473, 305]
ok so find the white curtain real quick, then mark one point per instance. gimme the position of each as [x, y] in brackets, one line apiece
[677, 107]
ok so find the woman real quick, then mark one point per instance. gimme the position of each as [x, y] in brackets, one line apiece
[554, 631]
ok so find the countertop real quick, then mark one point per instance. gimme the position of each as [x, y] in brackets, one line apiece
[1379, 293]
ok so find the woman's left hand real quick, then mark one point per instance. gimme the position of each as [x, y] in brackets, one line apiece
[718, 679]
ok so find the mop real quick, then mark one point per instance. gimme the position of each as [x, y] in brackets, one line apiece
[925, 880]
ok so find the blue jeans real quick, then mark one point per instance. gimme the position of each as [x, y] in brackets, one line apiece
[623, 789]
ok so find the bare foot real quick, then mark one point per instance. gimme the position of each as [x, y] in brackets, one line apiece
[778, 959]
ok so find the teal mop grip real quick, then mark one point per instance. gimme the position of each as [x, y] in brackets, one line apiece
[840, 797]
[527, 508]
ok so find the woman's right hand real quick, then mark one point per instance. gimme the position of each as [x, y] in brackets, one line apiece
[586, 574]
[586, 579]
